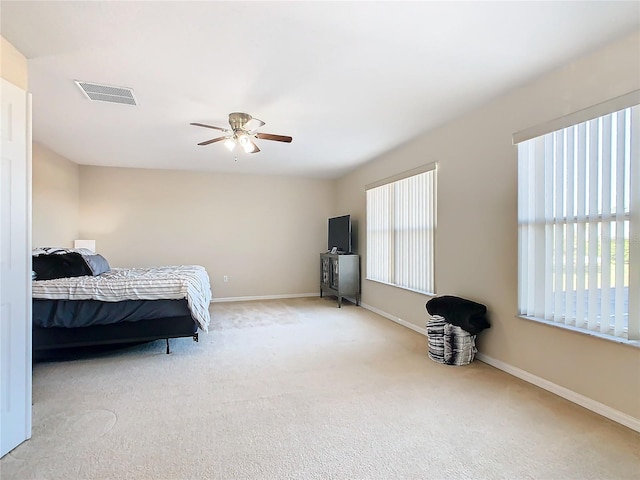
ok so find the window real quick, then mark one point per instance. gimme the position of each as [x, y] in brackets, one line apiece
[578, 205]
[400, 230]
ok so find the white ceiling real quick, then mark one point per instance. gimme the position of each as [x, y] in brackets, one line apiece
[348, 80]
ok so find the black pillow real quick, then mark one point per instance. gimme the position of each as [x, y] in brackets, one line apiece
[48, 267]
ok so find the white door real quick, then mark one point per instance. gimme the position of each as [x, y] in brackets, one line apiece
[15, 267]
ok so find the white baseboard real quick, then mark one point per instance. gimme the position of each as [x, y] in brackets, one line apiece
[264, 297]
[586, 402]
[393, 318]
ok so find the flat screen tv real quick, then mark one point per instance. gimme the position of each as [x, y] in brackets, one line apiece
[339, 236]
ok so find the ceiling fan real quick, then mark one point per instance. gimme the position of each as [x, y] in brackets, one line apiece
[243, 131]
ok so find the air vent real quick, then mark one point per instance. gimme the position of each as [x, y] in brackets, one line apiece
[105, 93]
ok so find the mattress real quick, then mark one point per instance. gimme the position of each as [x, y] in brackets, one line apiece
[189, 282]
[86, 313]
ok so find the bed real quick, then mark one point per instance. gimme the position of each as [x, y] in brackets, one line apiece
[80, 301]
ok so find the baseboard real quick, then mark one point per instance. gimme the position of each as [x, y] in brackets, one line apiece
[393, 318]
[264, 297]
[586, 402]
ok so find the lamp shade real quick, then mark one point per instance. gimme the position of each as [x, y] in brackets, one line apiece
[230, 143]
[88, 244]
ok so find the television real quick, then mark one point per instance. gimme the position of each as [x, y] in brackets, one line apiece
[339, 234]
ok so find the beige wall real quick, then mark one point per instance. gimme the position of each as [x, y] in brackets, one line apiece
[13, 65]
[265, 233]
[476, 245]
[56, 196]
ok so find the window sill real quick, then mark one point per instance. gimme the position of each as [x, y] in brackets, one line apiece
[610, 338]
[429, 294]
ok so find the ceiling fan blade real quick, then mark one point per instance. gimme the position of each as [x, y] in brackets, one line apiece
[209, 126]
[213, 140]
[271, 136]
[253, 124]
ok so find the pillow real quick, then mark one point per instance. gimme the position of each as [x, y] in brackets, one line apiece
[97, 263]
[48, 267]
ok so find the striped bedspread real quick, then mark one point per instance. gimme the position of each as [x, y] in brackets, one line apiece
[156, 283]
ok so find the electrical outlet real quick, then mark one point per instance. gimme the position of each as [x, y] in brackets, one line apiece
[225, 279]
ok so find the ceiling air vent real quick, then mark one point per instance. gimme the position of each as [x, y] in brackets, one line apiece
[106, 93]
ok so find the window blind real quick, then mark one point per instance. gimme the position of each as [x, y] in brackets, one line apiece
[400, 231]
[578, 220]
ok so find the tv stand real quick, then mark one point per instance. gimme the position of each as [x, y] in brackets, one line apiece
[340, 275]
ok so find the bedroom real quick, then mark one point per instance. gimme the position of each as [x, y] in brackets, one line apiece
[126, 211]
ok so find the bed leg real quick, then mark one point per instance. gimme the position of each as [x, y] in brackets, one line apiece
[167, 345]
[195, 337]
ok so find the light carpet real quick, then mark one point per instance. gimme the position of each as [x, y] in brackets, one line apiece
[299, 389]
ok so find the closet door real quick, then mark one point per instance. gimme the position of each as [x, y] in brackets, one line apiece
[15, 267]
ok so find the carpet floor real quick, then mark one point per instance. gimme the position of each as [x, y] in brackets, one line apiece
[299, 389]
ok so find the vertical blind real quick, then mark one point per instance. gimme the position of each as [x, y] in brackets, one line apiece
[577, 211]
[400, 231]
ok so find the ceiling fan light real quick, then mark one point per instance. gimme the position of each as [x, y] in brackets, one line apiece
[230, 143]
[243, 140]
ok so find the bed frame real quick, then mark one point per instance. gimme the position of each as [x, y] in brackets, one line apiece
[117, 333]
[146, 329]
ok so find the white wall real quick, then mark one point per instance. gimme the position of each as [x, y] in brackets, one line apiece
[476, 244]
[13, 65]
[56, 196]
[264, 233]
